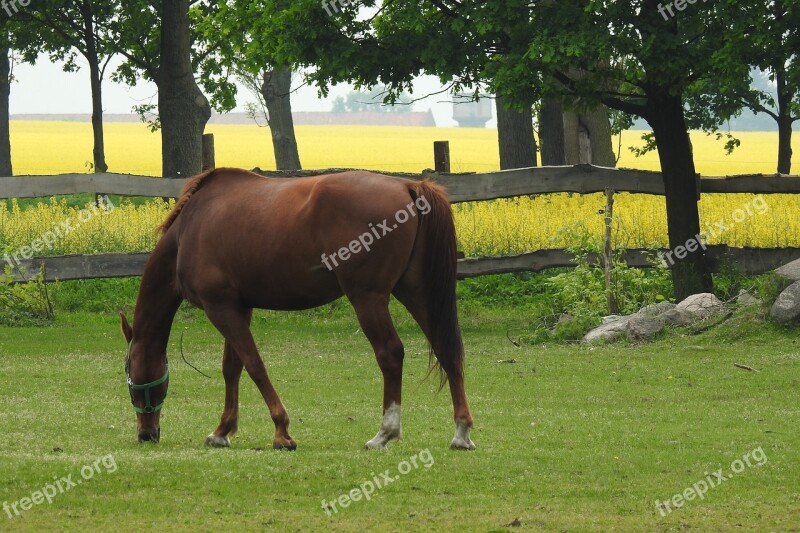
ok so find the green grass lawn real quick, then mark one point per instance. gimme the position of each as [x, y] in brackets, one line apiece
[569, 437]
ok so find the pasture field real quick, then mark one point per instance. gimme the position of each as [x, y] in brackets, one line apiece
[569, 438]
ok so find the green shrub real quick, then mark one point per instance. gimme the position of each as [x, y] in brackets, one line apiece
[24, 304]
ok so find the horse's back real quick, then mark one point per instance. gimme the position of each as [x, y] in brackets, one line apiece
[273, 235]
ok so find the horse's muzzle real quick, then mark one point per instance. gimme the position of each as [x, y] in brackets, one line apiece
[150, 435]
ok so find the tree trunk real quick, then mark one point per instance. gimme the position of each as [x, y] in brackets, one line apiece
[182, 107]
[551, 133]
[575, 152]
[515, 137]
[784, 123]
[598, 132]
[98, 150]
[588, 138]
[275, 89]
[5, 95]
[570, 138]
[689, 268]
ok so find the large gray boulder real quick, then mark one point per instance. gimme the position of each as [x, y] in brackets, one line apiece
[643, 328]
[787, 307]
[700, 305]
[609, 331]
[657, 309]
[790, 271]
[678, 317]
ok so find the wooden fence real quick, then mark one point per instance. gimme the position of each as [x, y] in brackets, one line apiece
[582, 179]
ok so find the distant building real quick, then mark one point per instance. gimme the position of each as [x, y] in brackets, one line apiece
[366, 118]
[471, 114]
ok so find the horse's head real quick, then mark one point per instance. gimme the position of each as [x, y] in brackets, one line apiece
[148, 380]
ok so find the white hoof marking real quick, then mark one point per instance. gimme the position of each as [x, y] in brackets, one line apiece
[391, 428]
[216, 441]
[461, 440]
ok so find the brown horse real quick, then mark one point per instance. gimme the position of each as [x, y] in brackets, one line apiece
[237, 241]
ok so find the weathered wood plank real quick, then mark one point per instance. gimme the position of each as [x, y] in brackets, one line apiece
[123, 184]
[750, 261]
[582, 179]
[752, 183]
[537, 261]
[746, 260]
[68, 267]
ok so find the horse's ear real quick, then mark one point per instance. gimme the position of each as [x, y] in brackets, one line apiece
[127, 330]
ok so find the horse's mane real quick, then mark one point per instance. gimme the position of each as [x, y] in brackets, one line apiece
[188, 190]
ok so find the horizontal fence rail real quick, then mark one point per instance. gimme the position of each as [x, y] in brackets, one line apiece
[581, 179]
[748, 261]
[105, 183]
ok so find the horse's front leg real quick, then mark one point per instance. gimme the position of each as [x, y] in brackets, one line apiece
[233, 322]
[232, 371]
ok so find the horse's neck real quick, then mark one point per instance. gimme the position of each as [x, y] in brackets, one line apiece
[159, 298]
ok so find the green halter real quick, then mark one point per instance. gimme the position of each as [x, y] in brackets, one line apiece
[148, 407]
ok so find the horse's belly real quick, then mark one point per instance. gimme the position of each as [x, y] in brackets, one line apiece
[292, 291]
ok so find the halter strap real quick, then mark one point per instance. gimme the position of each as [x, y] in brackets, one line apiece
[148, 407]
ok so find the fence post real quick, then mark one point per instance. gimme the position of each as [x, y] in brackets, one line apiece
[208, 151]
[608, 260]
[441, 156]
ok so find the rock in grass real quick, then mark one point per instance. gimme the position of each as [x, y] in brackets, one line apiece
[678, 317]
[790, 271]
[700, 305]
[643, 328]
[745, 299]
[787, 307]
[609, 331]
[657, 309]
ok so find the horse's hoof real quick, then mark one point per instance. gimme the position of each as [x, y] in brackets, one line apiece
[284, 444]
[375, 444]
[215, 441]
[461, 444]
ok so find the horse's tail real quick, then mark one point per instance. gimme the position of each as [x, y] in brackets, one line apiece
[440, 258]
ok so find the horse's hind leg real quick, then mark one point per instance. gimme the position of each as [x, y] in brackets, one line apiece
[373, 316]
[232, 371]
[409, 293]
[234, 324]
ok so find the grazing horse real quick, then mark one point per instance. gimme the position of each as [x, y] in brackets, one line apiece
[236, 241]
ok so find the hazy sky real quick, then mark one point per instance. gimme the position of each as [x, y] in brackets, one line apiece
[46, 88]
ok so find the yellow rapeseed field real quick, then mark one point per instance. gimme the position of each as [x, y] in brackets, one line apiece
[498, 227]
[56, 147]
